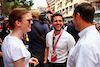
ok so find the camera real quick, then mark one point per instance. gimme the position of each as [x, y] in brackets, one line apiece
[43, 17]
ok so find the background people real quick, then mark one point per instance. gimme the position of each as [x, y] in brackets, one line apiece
[49, 20]
[71, 29]
[36, 44]
[86, 52]
[3, 34]
[14, 52]
[58, 43]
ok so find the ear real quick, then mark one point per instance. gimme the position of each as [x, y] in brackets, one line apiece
[17, 23]
[78, 16]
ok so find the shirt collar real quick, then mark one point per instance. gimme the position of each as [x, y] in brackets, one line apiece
[84, 31]
[59, 33]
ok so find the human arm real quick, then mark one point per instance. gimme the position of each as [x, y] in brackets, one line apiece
[0, 45]
[71, 42]
[46, 49]
[20, 63]
[18, 53]
[0, 54]
[88, 55]
[33, 60]
[46, 29]
[46, 55]
[1, 40]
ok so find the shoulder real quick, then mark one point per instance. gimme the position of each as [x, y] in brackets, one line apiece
[50, 33]
[45, 26]
[90, 41]
[89, 47]
[12, 41]
[92, 36]
[71, 26]
[66, 33]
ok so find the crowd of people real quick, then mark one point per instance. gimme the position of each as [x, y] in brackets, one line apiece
[51, 44]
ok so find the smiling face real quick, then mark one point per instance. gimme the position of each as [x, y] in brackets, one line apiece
[26, 22]
[57, 23]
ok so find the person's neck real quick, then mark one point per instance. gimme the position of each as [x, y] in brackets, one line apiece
[85, 25]
[57, 32]
[17, 33]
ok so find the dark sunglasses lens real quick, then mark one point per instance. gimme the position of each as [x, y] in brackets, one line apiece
[30, 20]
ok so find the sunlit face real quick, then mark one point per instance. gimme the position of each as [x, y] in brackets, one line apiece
[57, 23]
[26, 22]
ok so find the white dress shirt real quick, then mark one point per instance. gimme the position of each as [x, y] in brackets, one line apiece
[86, 52]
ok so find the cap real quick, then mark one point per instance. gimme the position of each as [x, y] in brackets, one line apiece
[36, 13]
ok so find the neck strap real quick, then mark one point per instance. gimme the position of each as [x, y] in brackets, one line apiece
[54, 46]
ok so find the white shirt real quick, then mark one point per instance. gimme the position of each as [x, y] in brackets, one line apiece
[65, 43]
[66, 28]
[86, 52]
[13, 49]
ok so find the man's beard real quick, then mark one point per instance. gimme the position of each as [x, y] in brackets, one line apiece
[57, 30]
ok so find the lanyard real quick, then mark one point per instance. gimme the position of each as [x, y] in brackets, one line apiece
[54, 46]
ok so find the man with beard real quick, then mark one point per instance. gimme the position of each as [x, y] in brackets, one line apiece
[58, 43]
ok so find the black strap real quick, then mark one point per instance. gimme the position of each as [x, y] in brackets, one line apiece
[42, 36]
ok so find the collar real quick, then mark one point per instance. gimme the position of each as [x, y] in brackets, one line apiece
[84, 31]
[58, 34]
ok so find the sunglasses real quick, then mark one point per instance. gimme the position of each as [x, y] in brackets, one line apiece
[29, 20]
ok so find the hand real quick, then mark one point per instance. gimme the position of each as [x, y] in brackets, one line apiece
[0, 40]
[45, 62]
[33, 60]
[0, 54]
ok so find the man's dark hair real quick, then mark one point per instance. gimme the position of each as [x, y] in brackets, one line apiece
[56, 14]
[86, 11]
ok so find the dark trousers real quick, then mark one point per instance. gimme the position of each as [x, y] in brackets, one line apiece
[1, 62]
[49, 64]
[40, 57]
